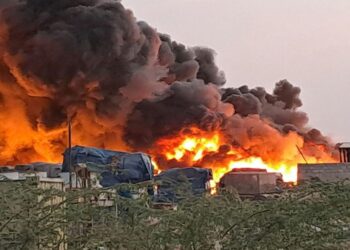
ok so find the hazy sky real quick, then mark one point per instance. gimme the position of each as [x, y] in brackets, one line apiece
[259, 42]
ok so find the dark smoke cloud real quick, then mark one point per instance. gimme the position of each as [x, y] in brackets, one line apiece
[125, 83]
[279, 110]
[288, 94]
[183, 104]
[208, 71]
[245, 104]
[58, 47]
[280, 107]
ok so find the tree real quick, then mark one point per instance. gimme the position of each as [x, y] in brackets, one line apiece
[311, 216]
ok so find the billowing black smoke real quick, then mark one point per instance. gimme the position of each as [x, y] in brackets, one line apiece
[122, 81]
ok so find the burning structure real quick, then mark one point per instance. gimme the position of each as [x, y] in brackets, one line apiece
[127, 87]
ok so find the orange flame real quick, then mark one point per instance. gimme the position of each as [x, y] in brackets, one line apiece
[198, 148]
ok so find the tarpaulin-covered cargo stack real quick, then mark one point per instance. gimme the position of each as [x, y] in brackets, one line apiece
[110, 167]
[175, 184]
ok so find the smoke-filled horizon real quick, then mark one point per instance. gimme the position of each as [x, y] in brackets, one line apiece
[128, 87]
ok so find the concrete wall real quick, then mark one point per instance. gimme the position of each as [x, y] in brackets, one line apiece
[10, 175]
[15, 176]
[327, 172]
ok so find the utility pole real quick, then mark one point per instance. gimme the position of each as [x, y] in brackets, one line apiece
[70, 152]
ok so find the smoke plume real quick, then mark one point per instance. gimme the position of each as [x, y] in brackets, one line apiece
[127, 87]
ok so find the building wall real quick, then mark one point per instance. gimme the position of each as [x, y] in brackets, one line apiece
[327, 172]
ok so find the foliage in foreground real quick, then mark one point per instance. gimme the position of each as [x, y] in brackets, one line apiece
[312, 216]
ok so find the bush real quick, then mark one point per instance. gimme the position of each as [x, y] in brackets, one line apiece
[311, 216]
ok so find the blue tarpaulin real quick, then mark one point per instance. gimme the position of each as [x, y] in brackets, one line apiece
[178, 182]
[115, 167]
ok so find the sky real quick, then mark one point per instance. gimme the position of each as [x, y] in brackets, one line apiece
[259, 42]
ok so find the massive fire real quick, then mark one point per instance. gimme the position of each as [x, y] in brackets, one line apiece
[195, 147]
[127, 87]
